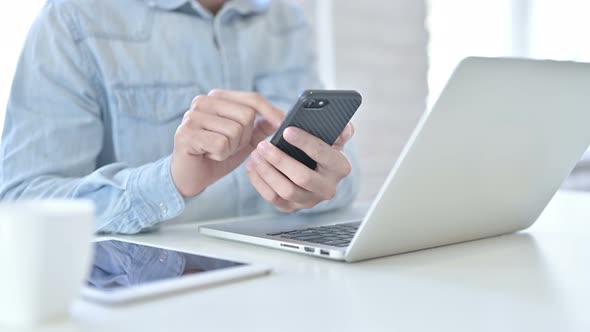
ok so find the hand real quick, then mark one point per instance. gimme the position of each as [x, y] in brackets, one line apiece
[288, 184]
[217, 134]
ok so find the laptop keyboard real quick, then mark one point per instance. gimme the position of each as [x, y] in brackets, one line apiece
[338, 235]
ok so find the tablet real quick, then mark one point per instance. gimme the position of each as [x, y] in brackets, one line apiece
[126, 271]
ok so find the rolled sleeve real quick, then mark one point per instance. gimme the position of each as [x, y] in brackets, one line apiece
[156, 196]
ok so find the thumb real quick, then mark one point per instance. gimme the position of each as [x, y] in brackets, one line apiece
[344, 136]
[262, 129]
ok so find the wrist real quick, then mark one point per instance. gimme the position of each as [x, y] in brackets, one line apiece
[153, 193]
[186, 180]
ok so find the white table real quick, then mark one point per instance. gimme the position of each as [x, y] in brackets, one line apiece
[537, 280]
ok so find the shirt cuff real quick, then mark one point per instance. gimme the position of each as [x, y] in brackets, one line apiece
[155, 197]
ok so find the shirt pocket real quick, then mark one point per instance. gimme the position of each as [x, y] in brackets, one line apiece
[145, 119]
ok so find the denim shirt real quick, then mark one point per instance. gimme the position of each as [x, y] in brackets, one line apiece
[101, 87]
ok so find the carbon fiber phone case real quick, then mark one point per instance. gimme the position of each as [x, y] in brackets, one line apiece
[326, 122]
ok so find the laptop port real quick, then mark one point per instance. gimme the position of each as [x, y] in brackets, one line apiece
[289, 246]
[308, 249]
[324, 252]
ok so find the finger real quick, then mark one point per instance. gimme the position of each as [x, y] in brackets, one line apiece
[344, 137]
[262, 129]
[266, 191]
[281, 184]
[318, 150]
[229, 128]
[254, 100]
[244, 115]
[213, 145]
[297, 172]
[225, 108]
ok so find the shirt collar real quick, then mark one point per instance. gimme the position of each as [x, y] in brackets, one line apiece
[244, 7]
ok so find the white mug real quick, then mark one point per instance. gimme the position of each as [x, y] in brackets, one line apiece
[45, 251]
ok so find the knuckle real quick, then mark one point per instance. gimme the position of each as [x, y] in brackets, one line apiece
[317, 149]
[219, 145]
[225, 147]
[188, 116]
[213, 156]
[329, 195]
[198, 101]
[274, 199]
[182, 133]
[250, 116]
[190, 121]
[307, 146]
[346, 168]
[235, 130]
[303, 179]
[179, 136]
[276, 158]
[264, 171]
[215, 92]
[289, 192]
[258, 98]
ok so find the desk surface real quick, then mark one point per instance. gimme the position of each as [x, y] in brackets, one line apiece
[537, 280]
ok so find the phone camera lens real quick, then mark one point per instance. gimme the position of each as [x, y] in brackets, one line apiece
[315, 103]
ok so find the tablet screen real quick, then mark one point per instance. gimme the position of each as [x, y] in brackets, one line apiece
[119, 264]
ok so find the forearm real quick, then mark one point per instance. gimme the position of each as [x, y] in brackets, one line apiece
[128, 200]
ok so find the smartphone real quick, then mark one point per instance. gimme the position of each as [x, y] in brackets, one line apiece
[322, 113]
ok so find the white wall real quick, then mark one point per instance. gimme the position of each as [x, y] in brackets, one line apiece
[380, 50]
[15, 20]
[543, 29]
[460, 28]
[547, 29]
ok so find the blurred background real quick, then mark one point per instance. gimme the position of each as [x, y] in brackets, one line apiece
[397, 53]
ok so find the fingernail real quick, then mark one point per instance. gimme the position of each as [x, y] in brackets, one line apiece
[264, 148]
[255, 157]
[348, 132]
[290, 134]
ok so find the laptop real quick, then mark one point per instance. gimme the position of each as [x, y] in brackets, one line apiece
[484, 161]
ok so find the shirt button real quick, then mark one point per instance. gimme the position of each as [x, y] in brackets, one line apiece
[163, 256]
[163, 209]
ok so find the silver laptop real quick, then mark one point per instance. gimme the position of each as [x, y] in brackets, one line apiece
[484, 161]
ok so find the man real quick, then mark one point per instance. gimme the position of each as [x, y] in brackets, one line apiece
[98, 110]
